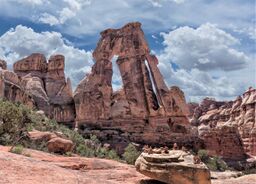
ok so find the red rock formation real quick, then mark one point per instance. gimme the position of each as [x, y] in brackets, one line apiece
[47, 84]
[239, 114]
[145, 110]
[11, 89]
[35, 64]
[3, 64]
[223, 140]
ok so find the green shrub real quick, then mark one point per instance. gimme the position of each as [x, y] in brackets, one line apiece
[16, 120]
[13, 121]
[69, 153]
[213, 163]
[112, 155]
[83, 150]
[216, 164]
[203, 155]
[131, 154]
[17, 149]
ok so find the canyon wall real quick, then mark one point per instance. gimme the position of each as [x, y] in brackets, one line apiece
[225, 127]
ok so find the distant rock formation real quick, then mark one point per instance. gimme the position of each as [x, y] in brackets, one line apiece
[40, 84]
[145, 110]
[218, 122]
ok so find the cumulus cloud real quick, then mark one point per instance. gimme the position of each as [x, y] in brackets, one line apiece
[203, 62]
[79, 17]
[68, 10]
[21, 41]
[205, 48]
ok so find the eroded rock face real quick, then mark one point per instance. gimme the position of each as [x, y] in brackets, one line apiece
[145, 110]
[175, 167]
[223, 140]
[46, 83]
[11, 89]
[238, 114]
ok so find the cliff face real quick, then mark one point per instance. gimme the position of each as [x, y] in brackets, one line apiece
[41, 84]
[145, 109]
[236, 117]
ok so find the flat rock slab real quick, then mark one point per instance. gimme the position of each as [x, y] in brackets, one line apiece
[177, 167]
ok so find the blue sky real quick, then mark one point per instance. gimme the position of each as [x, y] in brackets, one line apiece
[206, 47]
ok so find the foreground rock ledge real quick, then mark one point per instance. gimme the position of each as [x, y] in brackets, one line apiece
[177, 167]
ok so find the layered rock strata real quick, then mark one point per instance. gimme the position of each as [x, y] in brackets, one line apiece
[11, 89]
[145, 110]
[43, 83]
[237, 119]
[174, 167]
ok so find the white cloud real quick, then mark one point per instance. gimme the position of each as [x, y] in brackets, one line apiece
[79, 17]
[206, 63]
[158, 3]
[22, 41]
[30, 2]
[48, 19]
[67, 9]
[205, 48]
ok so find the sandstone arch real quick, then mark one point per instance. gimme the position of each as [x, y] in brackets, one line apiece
[142, 110]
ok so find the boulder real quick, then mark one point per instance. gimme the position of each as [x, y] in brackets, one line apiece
[174, 167]
[60, 145]
[41, 136]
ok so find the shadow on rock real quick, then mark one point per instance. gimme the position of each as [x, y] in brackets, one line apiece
[151, 181]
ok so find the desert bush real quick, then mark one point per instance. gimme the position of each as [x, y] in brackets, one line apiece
[16, 120]
[214, 163]
[17, 149]
[203, 155]
[131, 154]
[13, 120]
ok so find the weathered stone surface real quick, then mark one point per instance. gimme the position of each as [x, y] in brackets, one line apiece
[35, 87]
[145, 110]
[11, 89]
[35, 64]
[59, 145]
[223, 140]
[3, 64]
[174, 167]
[239, 114]
[47, 84]
[55, 143]
[41, 167]
[41, 136]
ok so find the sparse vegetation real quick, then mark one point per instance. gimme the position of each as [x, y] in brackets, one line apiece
[16, 120]
[17, 149]
[213, 163]
[131, 154]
